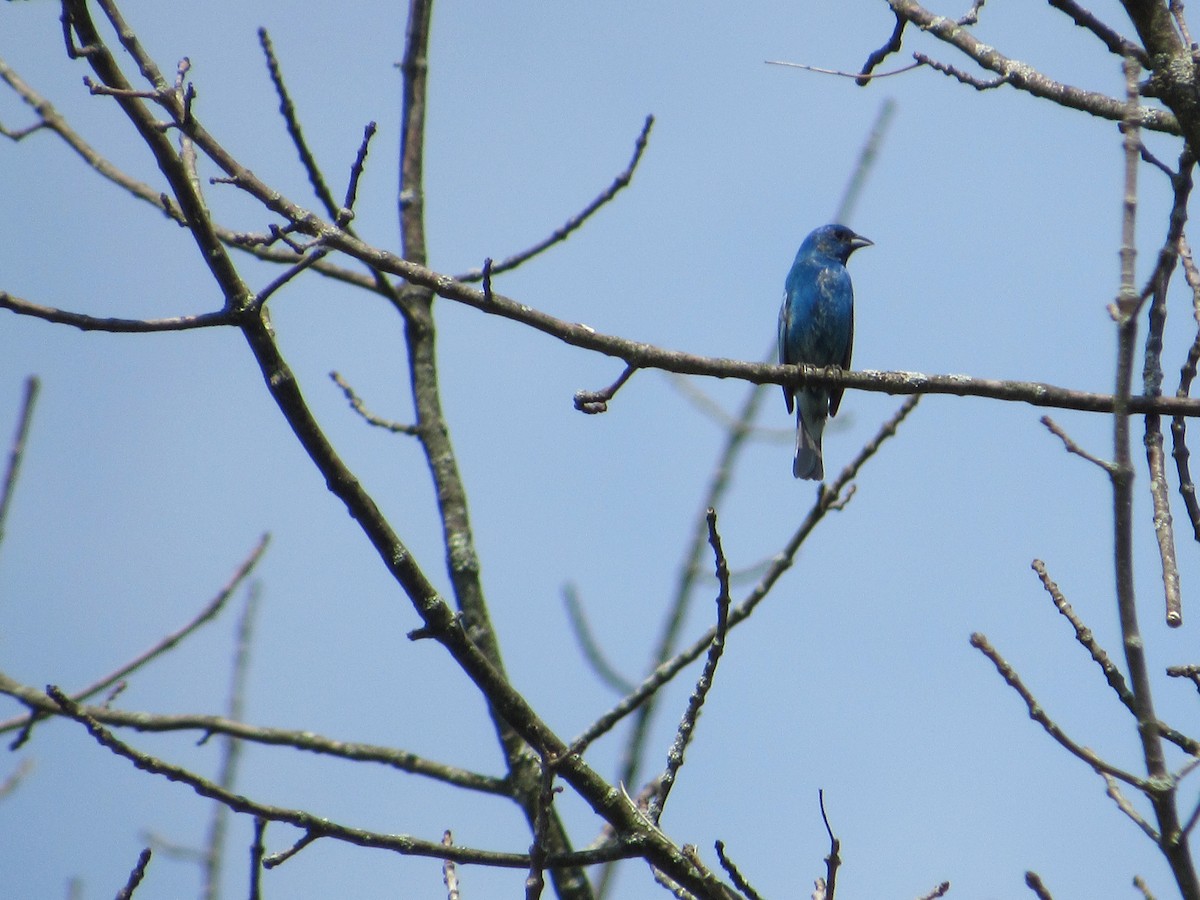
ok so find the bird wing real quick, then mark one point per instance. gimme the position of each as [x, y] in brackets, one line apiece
[784, 322]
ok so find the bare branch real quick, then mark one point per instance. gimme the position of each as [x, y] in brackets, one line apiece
[287, 109]
[359, 407]
[1112, 674]
[1025, 77]
[1038, 714]
[122, 326]
[687, 726]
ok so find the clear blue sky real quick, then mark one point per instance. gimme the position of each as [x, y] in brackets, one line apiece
[155, 462]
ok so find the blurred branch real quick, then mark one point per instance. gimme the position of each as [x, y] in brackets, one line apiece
[1034, 882]
[231, 749]
[827, 498]
[16, 450]
[13, 780]
[206, 614]
[605, 671]
[866, 156]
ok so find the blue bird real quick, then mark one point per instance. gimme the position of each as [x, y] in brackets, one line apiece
[816, 328]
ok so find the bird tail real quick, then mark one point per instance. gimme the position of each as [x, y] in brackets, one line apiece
[811, 411]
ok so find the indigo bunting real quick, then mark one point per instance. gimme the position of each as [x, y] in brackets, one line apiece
[816, 328]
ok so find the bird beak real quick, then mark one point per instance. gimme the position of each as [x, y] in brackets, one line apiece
[858, 242]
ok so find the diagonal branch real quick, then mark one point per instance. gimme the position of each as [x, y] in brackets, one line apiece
[572, 224]
[1025, 77]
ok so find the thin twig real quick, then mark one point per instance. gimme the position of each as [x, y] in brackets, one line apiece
[1123, 804]
[135, 876]
[857, 76]
[287, 109]
[593, 402]
[346, 212]
[359, 407]
[116, 325]
[1187, 373]
[1143, 887]
[17, 449]
[735, 874]
[834, 859]
[704, 683]
[780, 564]
[316, 827]
[1071, 446]
[1117, 44]
[1034, 882]
[572, 224]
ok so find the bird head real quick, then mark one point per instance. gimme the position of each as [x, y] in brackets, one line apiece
[836, 241]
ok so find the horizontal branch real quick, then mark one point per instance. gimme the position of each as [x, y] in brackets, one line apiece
[121, 326]
[642, 355]
[300, 740]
